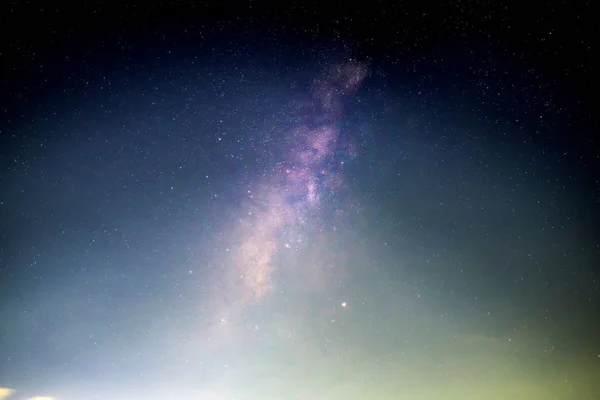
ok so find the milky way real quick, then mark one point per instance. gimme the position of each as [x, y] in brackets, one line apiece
[276, 209]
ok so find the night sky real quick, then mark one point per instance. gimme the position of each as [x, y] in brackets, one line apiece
[299, 201]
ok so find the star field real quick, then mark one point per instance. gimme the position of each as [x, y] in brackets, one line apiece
[299, 201]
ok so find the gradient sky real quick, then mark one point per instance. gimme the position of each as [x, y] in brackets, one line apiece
[299, 202]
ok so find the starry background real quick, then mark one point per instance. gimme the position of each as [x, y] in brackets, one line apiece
[299, 201]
